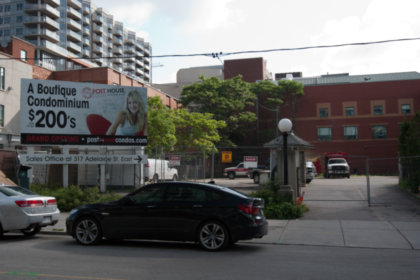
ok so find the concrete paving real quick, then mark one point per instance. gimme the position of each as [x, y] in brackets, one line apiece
[330, 223]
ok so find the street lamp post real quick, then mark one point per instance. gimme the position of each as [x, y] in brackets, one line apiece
[285, 126]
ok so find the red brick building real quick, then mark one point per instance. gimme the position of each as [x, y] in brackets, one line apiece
[358, 115]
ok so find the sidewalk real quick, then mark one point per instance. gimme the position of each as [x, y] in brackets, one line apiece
[341, 233]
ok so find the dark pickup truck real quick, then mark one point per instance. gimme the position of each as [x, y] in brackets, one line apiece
[254, 173]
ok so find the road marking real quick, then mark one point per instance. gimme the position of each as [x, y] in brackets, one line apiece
[36, 274]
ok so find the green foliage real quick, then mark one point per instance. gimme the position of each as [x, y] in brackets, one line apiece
[227, 100]
[160, 125]
[278, 206]
[196, 130]
[74, 196]
[409, 150]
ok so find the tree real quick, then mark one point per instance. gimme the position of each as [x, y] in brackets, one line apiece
[409, 150]
[180, 130]
[160, 125]
[196, 130]
[227, 100]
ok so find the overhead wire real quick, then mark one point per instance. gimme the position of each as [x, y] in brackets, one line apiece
[218, 55]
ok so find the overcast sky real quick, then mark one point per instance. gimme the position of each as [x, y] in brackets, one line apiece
[210, 26]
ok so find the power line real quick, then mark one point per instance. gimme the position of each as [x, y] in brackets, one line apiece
[217, 55]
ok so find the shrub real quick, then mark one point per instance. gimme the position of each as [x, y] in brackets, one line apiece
[278, 206]
[74, 196]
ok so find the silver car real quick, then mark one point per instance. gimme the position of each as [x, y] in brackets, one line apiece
[21, 209]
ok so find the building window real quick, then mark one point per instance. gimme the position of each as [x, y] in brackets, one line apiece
[350, 132]
[378, 109]
[349, 111]
[23, 55]
[19, 6]
[7, 20]
[2, 77]
[7, 8]
[405, 108]
[379, 132]
[323, 112]
[1, 115]
[324, 134]
[19, 31]
[19, 19]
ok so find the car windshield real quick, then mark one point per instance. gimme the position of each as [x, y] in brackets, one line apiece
[15, 191]
[338, 160]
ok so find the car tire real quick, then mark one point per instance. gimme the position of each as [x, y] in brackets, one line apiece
[213, 236]
[256, 178]
[87, 231]
[231, 175]
[1, 231]
[31, 231]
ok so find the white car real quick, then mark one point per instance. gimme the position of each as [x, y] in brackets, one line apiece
[21, 209]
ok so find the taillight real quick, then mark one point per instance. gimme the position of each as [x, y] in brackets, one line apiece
[29, 203]
[248, 209]
[51, 202]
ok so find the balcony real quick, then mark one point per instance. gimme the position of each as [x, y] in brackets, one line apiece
[74, 14]
[139, 72]
[43, 21]
[86, 52]
[74, 47]
[129, 41]
[117, 41]
[86, 30]
[118, 61]
[44, 9]
[86, 10]
[77, 4]
[128, 67]
[86, 20]
[118, 32]
[97, 49]
[97, 18]
[129, 59]
[97, 38]
[139, 54]
[73, 36]
[43, 33]
[129, 50]
[139, 64]
[54, 3]
[72, 24]
[86, 41]
[97, 28]
[117, 50]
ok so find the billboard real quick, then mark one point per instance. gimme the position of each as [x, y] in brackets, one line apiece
[69, 113]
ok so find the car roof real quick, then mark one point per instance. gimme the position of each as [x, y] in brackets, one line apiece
[205, 185]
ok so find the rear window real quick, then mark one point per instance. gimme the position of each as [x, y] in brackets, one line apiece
[15, 191]
[337, 161]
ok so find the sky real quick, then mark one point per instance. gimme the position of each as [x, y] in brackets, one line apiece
[214, 26]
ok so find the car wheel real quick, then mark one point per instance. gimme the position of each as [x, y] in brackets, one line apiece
[256, 178]
[31, 231]
[1, 231]
[231, 175]
[175, 178]
[88, 231]
[213, 236]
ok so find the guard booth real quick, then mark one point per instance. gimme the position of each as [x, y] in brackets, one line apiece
[296, 162]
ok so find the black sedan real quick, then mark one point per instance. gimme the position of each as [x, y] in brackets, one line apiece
[211, 215]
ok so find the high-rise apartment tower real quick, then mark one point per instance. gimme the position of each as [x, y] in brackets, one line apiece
[75, 29]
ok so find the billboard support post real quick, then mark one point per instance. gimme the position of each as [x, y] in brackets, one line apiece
[65, 150]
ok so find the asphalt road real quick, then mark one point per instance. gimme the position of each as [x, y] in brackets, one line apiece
[59, 257]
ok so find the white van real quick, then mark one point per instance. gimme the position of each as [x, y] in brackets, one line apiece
[158, 169]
